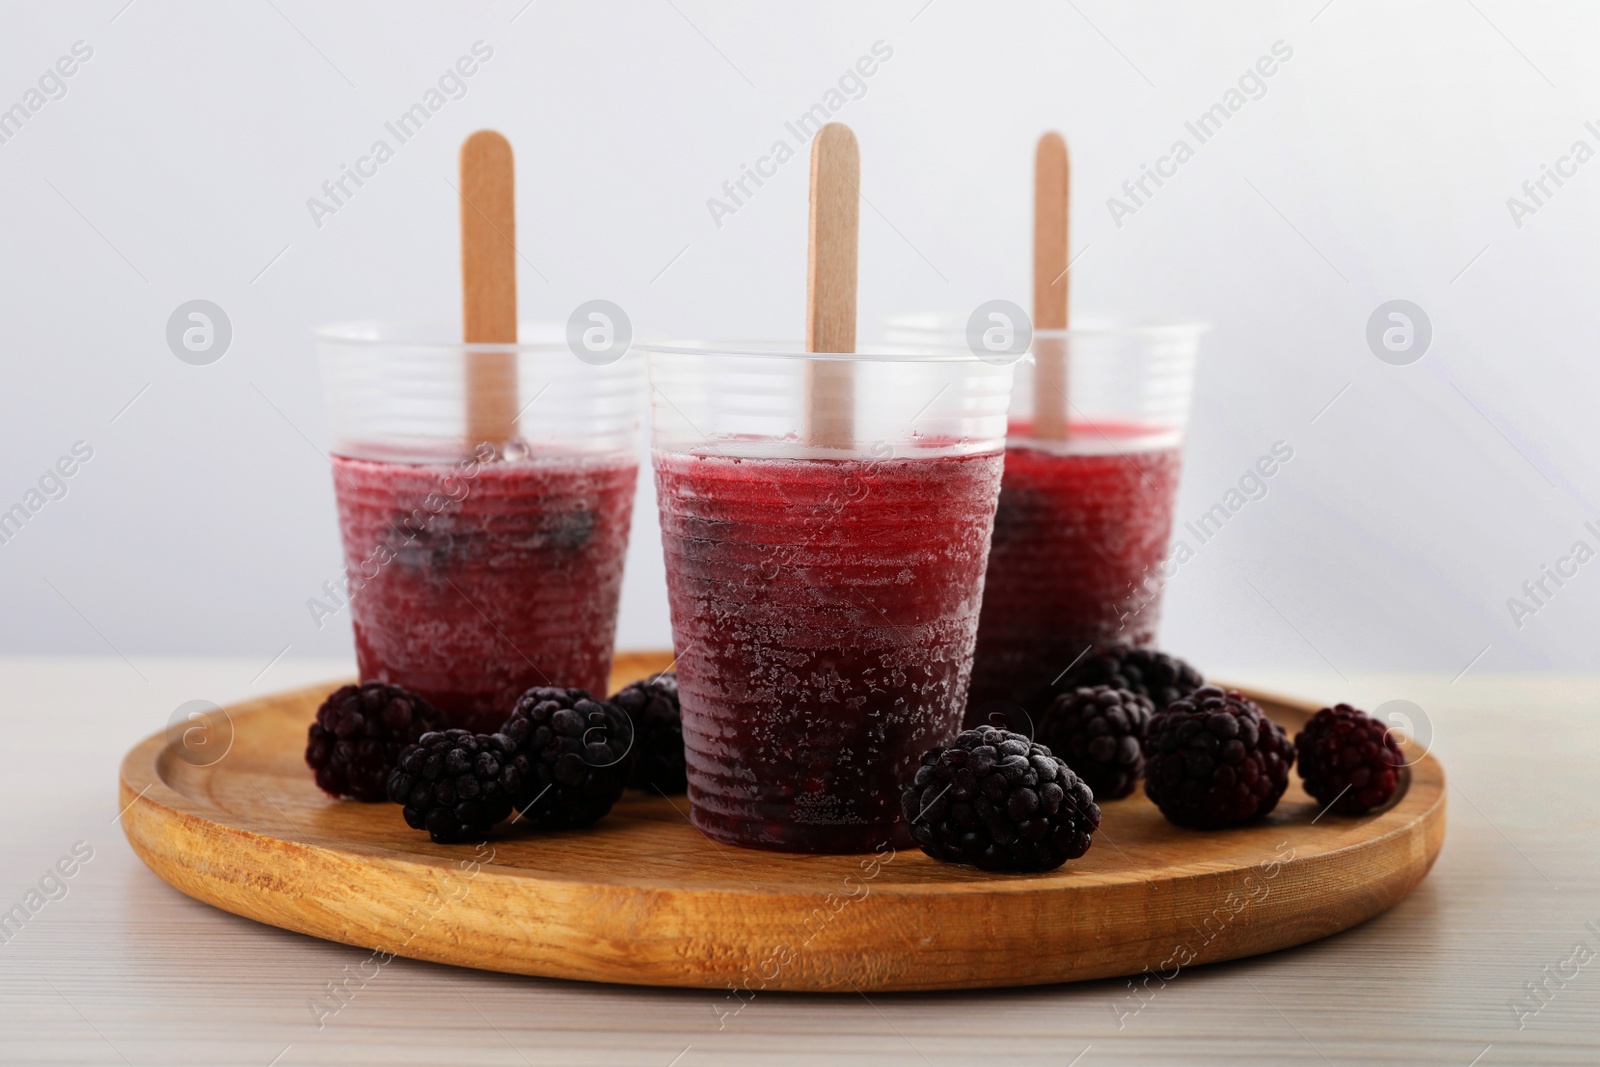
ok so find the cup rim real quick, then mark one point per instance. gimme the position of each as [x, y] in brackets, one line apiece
[877, 352]
[940, 324]
[430, 335]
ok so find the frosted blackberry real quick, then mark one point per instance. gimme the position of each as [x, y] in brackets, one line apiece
[578, 752]
[1348, 759]
[999, 802]
[457, 785]
[1098, 732]
[658, 758]
[1213, 759]
[1160, 677]
[358, 735]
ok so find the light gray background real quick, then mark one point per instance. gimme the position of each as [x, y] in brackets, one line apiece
[1376, 166]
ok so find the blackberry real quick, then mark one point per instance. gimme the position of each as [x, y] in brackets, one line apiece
[995, 800]
[1098, 733]
[1160, 677]
[1213, 759]
[658, 759]
[577, 749]
[456, 785]
[358, 735]
[567, 531]
[1348, 760]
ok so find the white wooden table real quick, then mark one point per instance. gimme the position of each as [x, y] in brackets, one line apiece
[123, 969]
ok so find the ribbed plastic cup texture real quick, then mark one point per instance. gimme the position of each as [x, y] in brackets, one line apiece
[474, 571]
[1079, 556]
[824, 600]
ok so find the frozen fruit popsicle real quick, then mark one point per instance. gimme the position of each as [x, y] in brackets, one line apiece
[824, 639]
[1092, 461]
[1081, 525]
[484, 486]
[825, 516]
[512, 584]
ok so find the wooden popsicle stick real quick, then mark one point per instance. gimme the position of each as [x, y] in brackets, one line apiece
[489, 285]
[1050, 177]
[831, 285]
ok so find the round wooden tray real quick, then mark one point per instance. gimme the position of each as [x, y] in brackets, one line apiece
[644, 898]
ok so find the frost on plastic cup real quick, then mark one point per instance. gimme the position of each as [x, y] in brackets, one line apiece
[475, 573]
[824, 600]
[1080, 539]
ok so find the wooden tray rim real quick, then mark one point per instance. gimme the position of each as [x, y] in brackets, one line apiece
[1418, 813]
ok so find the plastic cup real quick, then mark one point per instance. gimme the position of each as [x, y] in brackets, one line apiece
[1079, 557]
[473, 572]
[824, 600]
